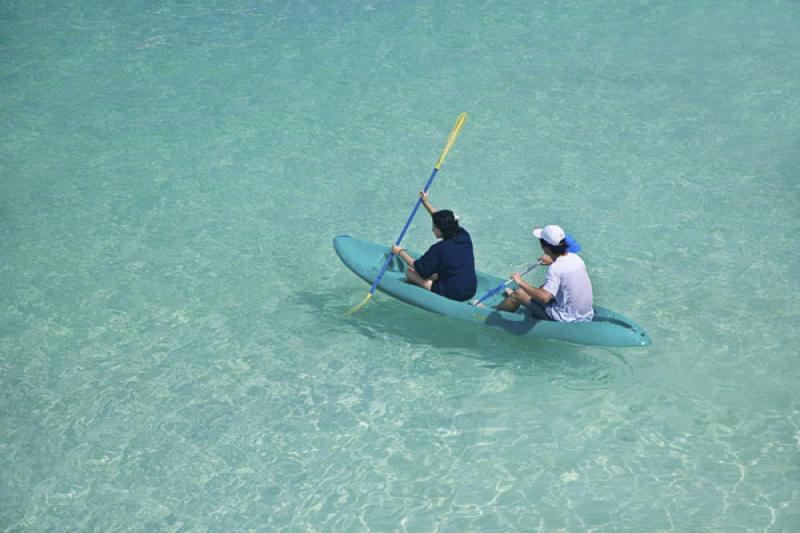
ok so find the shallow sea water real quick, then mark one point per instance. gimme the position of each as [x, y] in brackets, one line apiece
[174, 350]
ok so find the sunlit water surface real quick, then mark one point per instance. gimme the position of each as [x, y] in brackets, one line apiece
[174, 350]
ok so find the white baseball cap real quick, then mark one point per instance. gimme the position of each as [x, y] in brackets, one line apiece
[551, 233]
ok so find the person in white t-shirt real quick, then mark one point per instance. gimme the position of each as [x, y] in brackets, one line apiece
[566, 295]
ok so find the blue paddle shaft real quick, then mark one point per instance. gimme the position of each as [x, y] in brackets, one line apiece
[491, 293]
[402, 234]
[502, 285]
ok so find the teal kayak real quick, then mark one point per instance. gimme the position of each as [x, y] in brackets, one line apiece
[365, 259]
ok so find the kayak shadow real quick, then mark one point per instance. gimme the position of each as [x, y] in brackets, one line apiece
[573, 366]
[569, 365]
[385, 317]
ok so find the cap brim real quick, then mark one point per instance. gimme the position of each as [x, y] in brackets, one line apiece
[537, 233]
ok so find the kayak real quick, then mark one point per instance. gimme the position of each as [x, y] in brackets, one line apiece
[607, 328]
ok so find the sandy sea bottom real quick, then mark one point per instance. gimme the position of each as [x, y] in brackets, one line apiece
[174, 350]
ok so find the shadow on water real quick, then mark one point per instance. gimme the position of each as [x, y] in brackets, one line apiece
[572, 366]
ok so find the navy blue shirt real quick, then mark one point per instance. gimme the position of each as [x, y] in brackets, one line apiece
[453, 260]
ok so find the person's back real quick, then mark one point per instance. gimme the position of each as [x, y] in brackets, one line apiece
[453, 261]
[569, 282]
[448, 267]
[566, 295]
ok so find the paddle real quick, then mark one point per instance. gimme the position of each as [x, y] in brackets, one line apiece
[451, 139]
[503, 285]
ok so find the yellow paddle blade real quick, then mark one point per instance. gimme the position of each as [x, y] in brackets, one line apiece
[358, 306]
[451, 139]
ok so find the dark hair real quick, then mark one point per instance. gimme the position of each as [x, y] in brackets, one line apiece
[561, 249]
[445, 220]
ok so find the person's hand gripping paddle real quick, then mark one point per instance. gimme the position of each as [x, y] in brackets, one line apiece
[502, 286]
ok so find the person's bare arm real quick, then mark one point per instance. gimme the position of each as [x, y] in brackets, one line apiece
[538, 294]
[405, 256]
[428, 207]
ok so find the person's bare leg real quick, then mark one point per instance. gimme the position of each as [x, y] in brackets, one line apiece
[416, 279]
[514, 300]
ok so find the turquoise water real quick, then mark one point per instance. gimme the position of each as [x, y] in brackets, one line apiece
[174, 353]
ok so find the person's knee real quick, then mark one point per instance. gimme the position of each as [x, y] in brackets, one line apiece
[416, 279]
[519, 296]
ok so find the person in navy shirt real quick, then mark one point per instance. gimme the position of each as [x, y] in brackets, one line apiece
[448, 267]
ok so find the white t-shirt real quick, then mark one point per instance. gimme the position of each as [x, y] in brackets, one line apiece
[569, 283]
